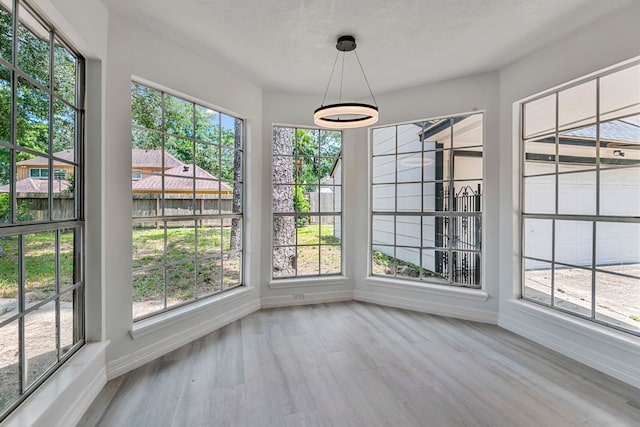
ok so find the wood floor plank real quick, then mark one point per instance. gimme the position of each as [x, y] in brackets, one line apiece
[358, 364]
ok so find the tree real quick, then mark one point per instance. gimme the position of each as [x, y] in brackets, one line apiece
[235, 240]
[284, 254]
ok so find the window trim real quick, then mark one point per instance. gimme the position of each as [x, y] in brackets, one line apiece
[592, 219]
[442, 286]
[319, 279]
[20, 229]
[150, 318]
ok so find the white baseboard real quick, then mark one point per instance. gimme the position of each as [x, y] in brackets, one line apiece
[133, 360]
[67, 394]
[303, 297]
[598, 352]
[456, 311]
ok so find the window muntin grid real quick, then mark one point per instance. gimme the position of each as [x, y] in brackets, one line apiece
[187, 189]
[426, 200]
[307, 203]
[41, 219]
[581, 199]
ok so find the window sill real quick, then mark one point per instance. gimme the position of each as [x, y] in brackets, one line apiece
[156, 323]
[443, 290]
[308, 281]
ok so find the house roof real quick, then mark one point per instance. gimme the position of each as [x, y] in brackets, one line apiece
[141, 158]
[627, 130]
[34, 185]
[67, 155]
[179, 179]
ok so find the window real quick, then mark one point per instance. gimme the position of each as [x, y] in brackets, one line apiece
[39, 173]
[187, 203]
[136, 175]
[581, 199]
[41, 222]
[307, 202]
[426, 200]
[43, 173]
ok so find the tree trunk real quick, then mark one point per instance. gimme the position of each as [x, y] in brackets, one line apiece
[235, 239]
[284, 228]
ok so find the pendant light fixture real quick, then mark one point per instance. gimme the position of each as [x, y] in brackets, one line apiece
[346, 115]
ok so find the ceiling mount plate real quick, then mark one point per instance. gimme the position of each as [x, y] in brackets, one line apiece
[346, 43]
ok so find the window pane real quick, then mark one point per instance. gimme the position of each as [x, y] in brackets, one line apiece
[40, 341]
[67, 323]
[33, 46]
[618, 247]
[409, 197]
[383, 169]
[572, 289]
[620, 94]
[231, 264]
[383, 230]
[230, 138]
[577, 193]
[409, 167]
[5, 185]
[577, 106]
[284, 259]
[146, 107]
[64, 192]
[64, 74]
[178, 116]
[308, 230]
[540, 116]
[207, 124]
[9, 278]
[384, 141]
[576, 155]
[537, 281]
[540, 156]
[64, 127]
[330, 143]
[209, 237]
[147, 150]
[408, 137]
[573, 242]
[620, 192]
[33, 109]
[68, 255]
[6, 43]
[283, 198]
[407, 231]
[148, 291]
[9, 365]
[40, 267]
[330, 259]
[435, 265]
[148, 244]
[540, 194]
[181, 285]
[308, 260]
[618, 300]
[407, 262]
[538, 237]
[5, 96]
[468, 133]
[383, 260]
[180, 241]
[327, 232]
[209, 280]
[465, 268]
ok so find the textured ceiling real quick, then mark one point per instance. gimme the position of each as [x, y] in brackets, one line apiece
[290, 44]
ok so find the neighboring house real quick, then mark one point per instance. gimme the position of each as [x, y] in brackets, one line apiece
[147, 184]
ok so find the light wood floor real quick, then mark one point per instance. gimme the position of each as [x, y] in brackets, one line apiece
[356, 364]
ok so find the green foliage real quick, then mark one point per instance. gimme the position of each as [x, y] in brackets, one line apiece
[71, 179]
[22, 212]
[300, 204]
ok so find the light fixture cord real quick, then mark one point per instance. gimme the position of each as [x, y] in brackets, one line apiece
[330, 77]
[341, 79]
[365, 78]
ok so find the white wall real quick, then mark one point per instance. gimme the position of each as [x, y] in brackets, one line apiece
[607, 42]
